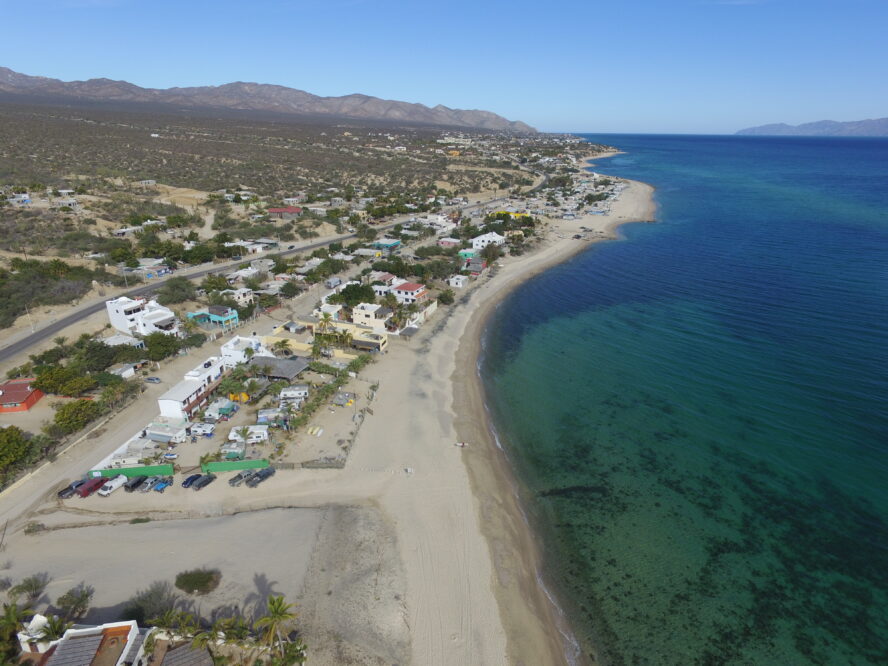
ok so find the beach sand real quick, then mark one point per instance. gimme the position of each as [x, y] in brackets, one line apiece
[537, 632]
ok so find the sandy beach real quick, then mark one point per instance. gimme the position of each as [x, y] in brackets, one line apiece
[536, 631]
[426, 558]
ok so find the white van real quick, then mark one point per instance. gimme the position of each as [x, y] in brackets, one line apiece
[112, 485]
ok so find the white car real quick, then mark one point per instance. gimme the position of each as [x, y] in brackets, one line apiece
[112, 485]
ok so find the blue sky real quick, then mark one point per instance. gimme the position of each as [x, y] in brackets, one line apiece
[707, 66]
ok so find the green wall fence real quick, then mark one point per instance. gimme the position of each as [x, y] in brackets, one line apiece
[129, 472]
[233, 465]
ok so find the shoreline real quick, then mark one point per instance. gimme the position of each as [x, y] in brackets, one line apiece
[537, 630]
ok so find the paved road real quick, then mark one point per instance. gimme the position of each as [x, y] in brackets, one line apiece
[74, 317]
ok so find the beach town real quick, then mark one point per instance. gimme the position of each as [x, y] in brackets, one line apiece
[333, 450]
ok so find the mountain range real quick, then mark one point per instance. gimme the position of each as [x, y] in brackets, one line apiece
[262, 97]
[876, 127]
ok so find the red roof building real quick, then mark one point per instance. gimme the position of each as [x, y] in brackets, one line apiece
[410, 292]
[285, 212]
[17, 395]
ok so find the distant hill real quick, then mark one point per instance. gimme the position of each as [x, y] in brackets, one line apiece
[877, 127]
[255, 97]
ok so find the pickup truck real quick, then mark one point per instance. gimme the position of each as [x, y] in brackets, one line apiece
[260, 476]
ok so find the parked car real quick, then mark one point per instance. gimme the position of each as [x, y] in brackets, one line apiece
[170, 456]
[152, 380]
[91, 486]
[150, 482]
[203, 481]
[163, 484]
[260, 476]
[70, 489]
[290, 247]
[187, 483]
[134, 483]
[240, 477]
[112, 484]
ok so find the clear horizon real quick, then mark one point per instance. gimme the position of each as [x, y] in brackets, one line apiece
[694, 67]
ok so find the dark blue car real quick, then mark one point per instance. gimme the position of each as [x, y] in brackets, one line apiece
[187, 483]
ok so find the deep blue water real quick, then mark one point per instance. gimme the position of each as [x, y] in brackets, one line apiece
[698, 412]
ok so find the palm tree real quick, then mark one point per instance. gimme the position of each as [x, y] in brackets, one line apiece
[249, 352]
[60, 340]
[252, 389]
[277, 623]
[13, 616]
[281, 347]
[55, 627]
[243, 432]
[345, 339]
[167, 621]
[231, 386]
[325, 323]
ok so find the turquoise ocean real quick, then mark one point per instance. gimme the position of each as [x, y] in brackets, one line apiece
[697, 413]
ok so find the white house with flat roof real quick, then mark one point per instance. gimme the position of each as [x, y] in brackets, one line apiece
[189, 395]
[141, 317]
[234, 351]
[371, 315]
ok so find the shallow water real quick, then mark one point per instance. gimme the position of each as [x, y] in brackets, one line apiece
[697, 411]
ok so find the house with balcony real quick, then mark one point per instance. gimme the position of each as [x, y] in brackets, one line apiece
[410, 292]
[192, 393]
[241, 349]
[141, 317]
[220, 316]
[371, 315]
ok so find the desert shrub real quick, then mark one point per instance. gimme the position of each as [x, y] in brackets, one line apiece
[198, 581]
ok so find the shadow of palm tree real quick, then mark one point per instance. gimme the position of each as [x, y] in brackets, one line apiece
[259, 598]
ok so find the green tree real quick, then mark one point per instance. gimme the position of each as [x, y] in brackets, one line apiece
[98, 356]
[176, 290]
[11, 622]
[13, 447]
[446, 297]
[277, 623]
[75, 415]
[353, 294]
[281, 348]
[160, 345]
[55, 627]
[214, 283]
[491, 253]
[289, 290]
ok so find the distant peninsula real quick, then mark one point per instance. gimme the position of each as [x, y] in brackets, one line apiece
[255, 97]
[876, 127]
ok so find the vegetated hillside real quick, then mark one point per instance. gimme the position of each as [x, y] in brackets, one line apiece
[43, 143]
[258, 97]
[876, 127]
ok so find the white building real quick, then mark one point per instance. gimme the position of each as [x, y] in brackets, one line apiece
[491, 238]
[458, 281]
[371, 315]
[141, 317]
[235, 351]
[189, 395]
[255, 434]
[293, 395]
[410, 292]
[242, 296]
